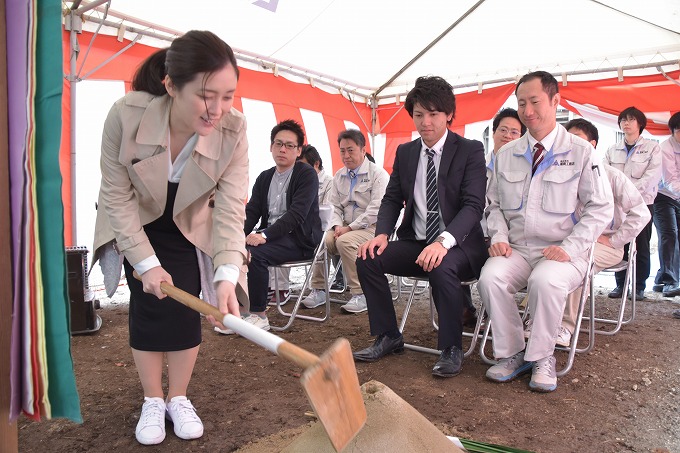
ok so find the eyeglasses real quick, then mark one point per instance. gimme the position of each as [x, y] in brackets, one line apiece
[511, 132]
[289, 146]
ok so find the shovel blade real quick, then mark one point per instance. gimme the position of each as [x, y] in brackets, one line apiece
[332, 387]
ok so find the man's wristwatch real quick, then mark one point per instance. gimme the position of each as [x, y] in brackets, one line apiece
[441, 240]
[264, 236]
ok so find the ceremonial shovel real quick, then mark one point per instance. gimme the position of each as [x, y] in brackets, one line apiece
[330, 381]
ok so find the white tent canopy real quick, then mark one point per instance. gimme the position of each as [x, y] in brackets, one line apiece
[380, 47]
[372, 51]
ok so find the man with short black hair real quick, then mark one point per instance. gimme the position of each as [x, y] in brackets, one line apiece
[439, 181]
[536, 186]
[285, 205]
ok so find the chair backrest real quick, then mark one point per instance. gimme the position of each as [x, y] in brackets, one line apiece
[325, 213]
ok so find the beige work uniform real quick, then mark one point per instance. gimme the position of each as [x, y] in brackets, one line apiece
[530, 214]
[358, 209]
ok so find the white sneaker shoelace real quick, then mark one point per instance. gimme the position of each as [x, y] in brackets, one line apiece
[546, 367]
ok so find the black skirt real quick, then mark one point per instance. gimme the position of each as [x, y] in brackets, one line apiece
[161, 325]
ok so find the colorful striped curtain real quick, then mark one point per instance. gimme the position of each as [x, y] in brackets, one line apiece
[42, 377]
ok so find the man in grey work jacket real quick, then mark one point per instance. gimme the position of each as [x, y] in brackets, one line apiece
[536, 241]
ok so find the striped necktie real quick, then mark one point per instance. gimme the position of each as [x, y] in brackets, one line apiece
[432, 224]
[538, 157]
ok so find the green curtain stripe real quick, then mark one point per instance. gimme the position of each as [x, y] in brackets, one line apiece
[62, 391]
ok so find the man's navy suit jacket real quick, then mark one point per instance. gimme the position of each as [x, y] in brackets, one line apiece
[461, 186]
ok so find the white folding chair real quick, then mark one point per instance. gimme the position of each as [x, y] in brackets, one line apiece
[631, 269]
[320, 256]
[417, 288]
[338, 269]
[573, 346]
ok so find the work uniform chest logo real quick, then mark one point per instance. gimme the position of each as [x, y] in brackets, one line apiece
[563, 163]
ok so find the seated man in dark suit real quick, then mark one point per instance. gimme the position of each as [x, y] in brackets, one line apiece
[439, 180]
[284, 202]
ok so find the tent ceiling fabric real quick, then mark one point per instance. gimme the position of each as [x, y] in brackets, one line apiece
[368, 42]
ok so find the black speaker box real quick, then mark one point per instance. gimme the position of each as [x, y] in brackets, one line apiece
[82, 302]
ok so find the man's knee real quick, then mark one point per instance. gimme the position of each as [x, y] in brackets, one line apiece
[443, 276]
[330, 239]
[368, 265]
[346, 244]
[544, 284]
[489, 277]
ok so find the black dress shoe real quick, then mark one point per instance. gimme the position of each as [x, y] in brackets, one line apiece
[469, 317]
[671, 291]
[383, 345]
[616, 293]
[450, 362]
[658, 287]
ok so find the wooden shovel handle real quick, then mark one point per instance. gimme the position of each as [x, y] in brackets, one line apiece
[267, 340]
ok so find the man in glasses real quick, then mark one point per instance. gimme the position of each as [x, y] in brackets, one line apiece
[505, 128]
[285, 207]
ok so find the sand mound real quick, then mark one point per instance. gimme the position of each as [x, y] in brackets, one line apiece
[392, 425]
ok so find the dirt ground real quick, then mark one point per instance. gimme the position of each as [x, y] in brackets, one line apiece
[621, 397]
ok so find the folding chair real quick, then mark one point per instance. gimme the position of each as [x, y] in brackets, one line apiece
[338, 268]
[414, 290]
[631, 269]
[320, 256]
[573, 346]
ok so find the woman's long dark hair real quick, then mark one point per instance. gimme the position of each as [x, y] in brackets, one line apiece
[190, 54]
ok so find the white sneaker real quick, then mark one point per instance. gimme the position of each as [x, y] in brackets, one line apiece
[563, 337]
[527, 328]
[262, 323]
[151, 426]
[316, 298]
[509, 368]
[356, 304]
[544, 376]
[184, 418]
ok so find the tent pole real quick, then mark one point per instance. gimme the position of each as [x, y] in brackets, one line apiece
[9, 440]
[73, 82]
[514, 79]
[428, 47]
[105, 62]
[374, 124]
